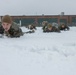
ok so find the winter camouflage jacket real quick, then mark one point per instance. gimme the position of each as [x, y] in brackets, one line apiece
[54, 29]
[47, 27]
[14, 31]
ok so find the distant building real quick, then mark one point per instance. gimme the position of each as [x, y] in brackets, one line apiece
[38, 19]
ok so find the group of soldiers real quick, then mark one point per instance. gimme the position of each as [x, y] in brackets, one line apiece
[11, 29]
[54, 27]
[49, 27]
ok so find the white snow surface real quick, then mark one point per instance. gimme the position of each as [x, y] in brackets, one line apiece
[39, 53]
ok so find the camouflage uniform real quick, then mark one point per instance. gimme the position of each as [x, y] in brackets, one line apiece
[63, 27]
[44, 24]
[14, 31]
[31, 27]
[50, 28]
[1, 29]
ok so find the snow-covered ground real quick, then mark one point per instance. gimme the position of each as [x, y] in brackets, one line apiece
[39, 54]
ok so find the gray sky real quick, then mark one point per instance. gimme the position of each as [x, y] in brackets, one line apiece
[37, 7]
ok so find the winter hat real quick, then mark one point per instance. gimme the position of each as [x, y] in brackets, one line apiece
[7, 19]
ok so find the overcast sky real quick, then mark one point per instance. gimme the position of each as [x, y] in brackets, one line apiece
[37, 7]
